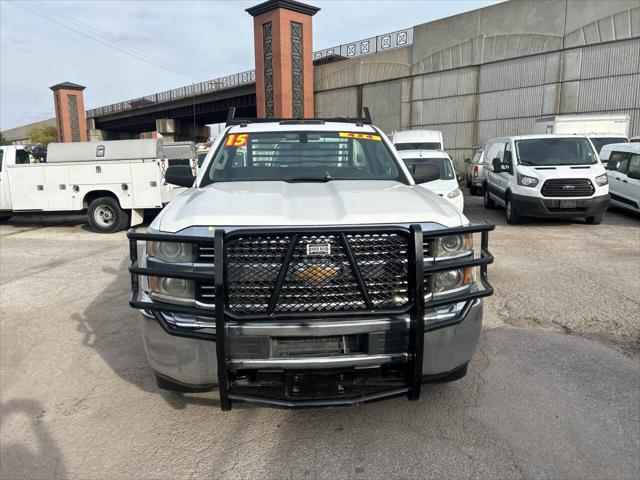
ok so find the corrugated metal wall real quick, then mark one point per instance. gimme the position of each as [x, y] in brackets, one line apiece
[473, 104]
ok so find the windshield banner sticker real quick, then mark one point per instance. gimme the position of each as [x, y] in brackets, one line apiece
[366, 136]
[237, 140]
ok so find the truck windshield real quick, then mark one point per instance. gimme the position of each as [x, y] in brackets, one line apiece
[443, 164]
[418, 146]
[302, 157]
[555, 151]
[600, 142]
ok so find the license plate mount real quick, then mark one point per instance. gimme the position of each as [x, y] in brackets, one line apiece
[568, 204]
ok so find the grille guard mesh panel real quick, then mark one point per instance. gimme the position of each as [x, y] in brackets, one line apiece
[317, 282]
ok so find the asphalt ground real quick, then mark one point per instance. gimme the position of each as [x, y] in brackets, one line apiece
[552, 392]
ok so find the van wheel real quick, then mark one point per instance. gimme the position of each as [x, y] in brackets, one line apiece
[512, 215]
[488, 201]
[106, 216]
[595, 220]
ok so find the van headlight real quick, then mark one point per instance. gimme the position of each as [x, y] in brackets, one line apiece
[526, 181]
[454, 193]
[171, 289]
[454, 245]
[171, 251]
[452, 280]
[602, 180]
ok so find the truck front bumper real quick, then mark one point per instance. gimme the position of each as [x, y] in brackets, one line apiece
[559, 208]
[257, 364]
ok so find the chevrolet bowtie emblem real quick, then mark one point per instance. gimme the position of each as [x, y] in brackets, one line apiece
[316, 274]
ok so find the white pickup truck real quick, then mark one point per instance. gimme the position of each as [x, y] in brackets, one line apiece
[303, 267]
[113, 181]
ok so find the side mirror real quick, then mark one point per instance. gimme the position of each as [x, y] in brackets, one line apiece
[423, 173]
[459, 177]
[611, 165]
[497, 165]
[180, 175]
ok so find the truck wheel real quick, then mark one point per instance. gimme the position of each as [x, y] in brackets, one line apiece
[512, 215]
[595, 220]
[488, 201]
[106, 216]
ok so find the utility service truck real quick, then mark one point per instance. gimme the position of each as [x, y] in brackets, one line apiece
[601, 129]
[112, 181]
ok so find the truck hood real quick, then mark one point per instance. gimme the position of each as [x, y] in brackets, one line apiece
[342, 202]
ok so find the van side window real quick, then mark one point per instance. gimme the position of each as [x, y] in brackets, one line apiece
[634, 166]
[623, 160]
[22, 157]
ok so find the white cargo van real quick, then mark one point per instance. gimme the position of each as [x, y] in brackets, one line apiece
[622, 161]
[545, 176]
[418, 140]
[601, 129]
[113, 181]
[446, 182]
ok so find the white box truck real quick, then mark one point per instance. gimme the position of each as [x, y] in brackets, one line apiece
[113, 181]
[601, 129]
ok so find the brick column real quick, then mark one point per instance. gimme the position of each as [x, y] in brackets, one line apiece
[284, 58]
[71, 119]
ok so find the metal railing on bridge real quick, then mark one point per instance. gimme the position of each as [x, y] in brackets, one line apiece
[368, 46]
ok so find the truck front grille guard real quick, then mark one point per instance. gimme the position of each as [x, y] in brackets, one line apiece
[421, 270]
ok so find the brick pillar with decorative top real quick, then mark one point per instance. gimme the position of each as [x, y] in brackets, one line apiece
[71, 119]
[284, 58]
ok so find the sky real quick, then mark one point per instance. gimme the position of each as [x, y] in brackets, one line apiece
[126, 49]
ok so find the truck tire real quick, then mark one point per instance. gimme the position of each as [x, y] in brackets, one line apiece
[106, 216]
[511, 213]
[595, 220]
[488, 201]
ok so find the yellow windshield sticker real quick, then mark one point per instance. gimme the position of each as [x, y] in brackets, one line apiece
[365, 136]
[237, 140]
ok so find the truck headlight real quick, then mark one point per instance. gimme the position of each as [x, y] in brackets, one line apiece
[602, 180]
[171, 251]
[453, 245]
[454, 193]
[526, 181]
[167, 288]
[452, 280]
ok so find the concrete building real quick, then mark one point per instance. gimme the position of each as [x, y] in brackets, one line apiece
[477, 75]
[493, 71]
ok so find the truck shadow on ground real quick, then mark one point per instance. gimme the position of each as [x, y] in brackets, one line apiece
[36, 454]
[112, 329]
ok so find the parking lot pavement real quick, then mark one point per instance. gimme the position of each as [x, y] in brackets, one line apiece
[553, 391]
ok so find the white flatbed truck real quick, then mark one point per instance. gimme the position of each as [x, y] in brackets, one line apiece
[114, 182]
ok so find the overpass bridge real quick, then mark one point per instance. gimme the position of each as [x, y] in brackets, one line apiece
[183, 112]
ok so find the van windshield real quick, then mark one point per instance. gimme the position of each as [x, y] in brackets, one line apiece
[303, 157]
[555, 151]
[418, 146]
[443, 164]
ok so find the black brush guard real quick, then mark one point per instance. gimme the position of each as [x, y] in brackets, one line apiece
[420, 270]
